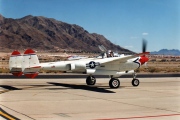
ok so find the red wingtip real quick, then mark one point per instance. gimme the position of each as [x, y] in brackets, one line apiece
[29, 51]
[15, 52]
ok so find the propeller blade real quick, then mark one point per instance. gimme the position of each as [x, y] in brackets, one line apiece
[102, 48]
[144, 45]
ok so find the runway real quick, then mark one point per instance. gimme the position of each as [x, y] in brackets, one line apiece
[73, 75]
[71, 99]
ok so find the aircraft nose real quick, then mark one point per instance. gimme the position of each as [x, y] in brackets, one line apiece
[147, 59]
[143, 59]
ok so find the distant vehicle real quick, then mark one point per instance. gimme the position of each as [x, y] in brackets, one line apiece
[28, 64]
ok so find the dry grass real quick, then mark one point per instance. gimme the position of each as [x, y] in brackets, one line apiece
[160, 67]
[4, 70]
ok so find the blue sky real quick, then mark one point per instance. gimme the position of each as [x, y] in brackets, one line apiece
[123, 22]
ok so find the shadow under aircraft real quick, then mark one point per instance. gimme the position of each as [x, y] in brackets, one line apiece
[68, 86]
[82, 87]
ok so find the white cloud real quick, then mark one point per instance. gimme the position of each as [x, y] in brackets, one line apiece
[128, 46]
[145, 33]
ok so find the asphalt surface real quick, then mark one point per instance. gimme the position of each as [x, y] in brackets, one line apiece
[68, 75]
[71, 99]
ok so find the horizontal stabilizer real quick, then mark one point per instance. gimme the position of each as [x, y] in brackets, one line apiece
[32, 69]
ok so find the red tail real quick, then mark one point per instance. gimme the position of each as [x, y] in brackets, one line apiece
[15, 52]
[18, 74]
[31, 75]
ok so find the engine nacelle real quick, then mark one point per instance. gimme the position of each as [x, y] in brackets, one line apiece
[77, 66]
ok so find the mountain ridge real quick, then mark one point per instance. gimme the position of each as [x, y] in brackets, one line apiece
[49, 34]
[175, 52]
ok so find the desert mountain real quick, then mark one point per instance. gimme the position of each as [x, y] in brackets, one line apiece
[41, 33]
[166, 52]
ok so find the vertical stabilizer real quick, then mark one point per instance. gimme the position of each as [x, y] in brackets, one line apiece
[15, 63]
[30, 64]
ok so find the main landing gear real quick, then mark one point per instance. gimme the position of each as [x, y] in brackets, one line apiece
[90, 80]
[113, 82]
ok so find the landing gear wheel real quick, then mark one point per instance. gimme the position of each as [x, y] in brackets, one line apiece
[90, 80]
[114, 83]
[135, 82]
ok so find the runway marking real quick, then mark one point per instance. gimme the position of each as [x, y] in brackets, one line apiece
[6, 115]
[141, 117]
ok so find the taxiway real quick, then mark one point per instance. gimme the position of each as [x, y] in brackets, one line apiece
[72, 99]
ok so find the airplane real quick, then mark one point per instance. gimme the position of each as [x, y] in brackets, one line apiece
[28, 64]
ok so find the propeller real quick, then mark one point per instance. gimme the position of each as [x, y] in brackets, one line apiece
[102, 48]
[103, 51]
[144, 45]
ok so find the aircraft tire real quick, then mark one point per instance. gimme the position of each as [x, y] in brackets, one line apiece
[135, 82]
[90, 80]
[114, 83]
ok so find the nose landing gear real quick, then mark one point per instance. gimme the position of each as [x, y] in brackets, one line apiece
[135, 82]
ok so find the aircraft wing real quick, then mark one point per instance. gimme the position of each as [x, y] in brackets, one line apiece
[123, 58]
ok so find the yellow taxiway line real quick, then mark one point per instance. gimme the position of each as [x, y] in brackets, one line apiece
[6, 115]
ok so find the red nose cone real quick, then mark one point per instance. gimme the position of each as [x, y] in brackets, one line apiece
[143, 59]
